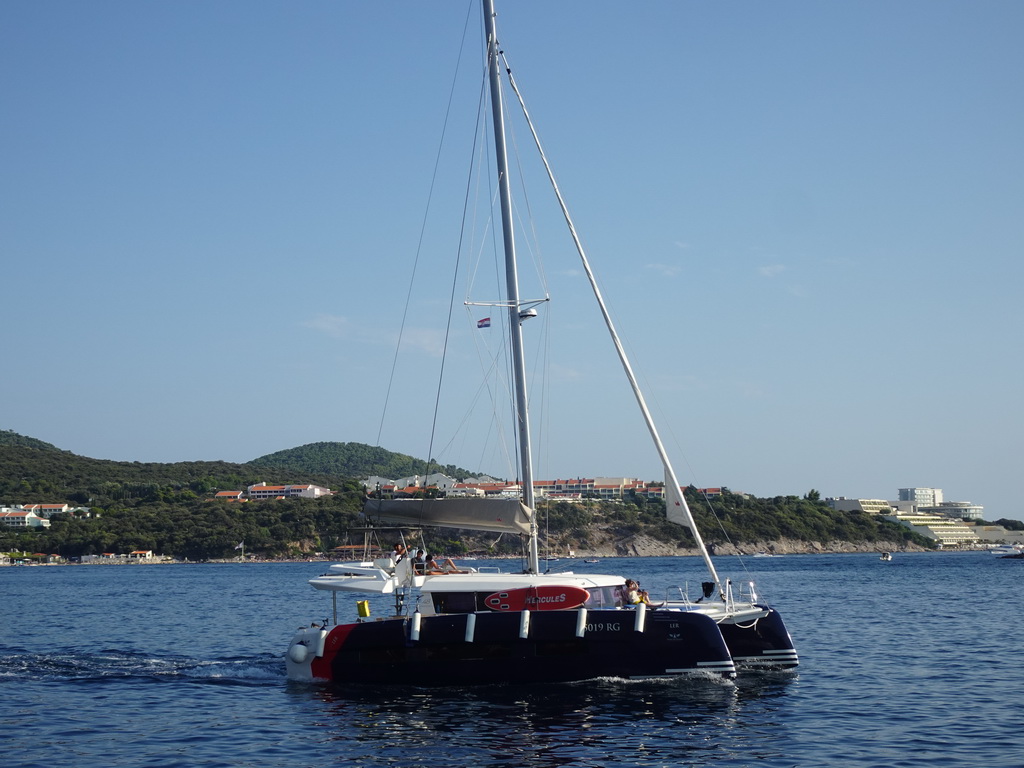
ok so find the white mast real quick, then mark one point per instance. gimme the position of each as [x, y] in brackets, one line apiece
[511, 278]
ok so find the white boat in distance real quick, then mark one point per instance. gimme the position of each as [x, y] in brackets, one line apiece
[476, 627]
[1004, 550]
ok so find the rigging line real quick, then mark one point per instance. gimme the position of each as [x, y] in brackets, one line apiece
[455, 278]
[680, 499]
[491, 232]
[423, 228]
[491, 367]
[485, 228]
[490, 372]
[526, 223]
[485, 386]
[544, 387]
[499, 276]
[711, 506]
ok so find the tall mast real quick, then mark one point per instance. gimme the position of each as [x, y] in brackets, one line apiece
[511, 278]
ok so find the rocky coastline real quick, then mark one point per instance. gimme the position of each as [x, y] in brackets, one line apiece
[646, 546]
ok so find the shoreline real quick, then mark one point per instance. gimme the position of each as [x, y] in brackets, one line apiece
[770, 549]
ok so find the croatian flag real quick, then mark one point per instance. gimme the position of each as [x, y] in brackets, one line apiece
[485, 323]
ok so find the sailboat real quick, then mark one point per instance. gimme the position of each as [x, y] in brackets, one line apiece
[481, 626]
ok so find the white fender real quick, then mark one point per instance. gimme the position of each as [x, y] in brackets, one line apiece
[581, 622]
[641, 617]
[306, 645]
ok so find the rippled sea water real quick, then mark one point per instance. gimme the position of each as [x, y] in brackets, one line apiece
[913, 662]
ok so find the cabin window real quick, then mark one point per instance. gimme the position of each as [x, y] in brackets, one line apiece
[606, 597]
[454, 602]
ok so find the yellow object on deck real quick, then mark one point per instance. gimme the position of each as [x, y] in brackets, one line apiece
[363, 608]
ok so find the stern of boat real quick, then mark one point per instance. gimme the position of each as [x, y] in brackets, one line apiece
[763, 643]
[305, 648]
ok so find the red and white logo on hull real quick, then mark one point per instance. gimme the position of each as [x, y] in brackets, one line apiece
[542, 598]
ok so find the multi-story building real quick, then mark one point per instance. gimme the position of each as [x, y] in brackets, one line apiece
[960, 509]
[577, 489]
[45, 510]
[922, 497]
[871, 506]
[264, 491]
[946, 531]
[15, 517]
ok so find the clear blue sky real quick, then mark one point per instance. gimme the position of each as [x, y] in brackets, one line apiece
[807, 216]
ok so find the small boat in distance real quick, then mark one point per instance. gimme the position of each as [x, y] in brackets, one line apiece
[886, 556]
[485, 626]
[1006, 550]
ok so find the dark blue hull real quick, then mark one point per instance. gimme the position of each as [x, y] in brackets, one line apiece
[762, 644]
[669, 643]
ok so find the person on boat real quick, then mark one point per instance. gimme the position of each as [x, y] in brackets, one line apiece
[419, 561]
[397, 553]
[448, 566]
[635, 595]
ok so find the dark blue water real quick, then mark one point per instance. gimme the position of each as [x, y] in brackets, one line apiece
[909, 663]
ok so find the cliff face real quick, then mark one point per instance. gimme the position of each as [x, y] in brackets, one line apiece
[645, 546]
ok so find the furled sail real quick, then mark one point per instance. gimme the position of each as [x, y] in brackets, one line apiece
[676, 509]
[498, 515]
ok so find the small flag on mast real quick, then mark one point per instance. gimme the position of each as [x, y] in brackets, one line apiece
[240, 545]
[485, 323]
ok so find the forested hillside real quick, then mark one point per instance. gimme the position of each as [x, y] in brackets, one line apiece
[355, 460]
[32, 471]
[169, 508]
[730, 520]
[32, 475]
[7, 437]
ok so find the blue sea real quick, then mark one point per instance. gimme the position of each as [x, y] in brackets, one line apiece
[913, 662]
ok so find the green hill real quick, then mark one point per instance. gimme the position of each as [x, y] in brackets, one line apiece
[9, 437]
[32, 471]
[49, 476]
[352, 460]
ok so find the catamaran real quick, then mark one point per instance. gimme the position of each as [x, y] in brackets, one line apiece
[485, 626]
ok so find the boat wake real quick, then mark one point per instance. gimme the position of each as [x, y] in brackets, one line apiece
[678, 681]
[116, 665]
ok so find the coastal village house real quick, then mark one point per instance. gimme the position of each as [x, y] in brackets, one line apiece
[45, 510]
[38, 515]
[264, 491]
[607, 488]
[16, 517]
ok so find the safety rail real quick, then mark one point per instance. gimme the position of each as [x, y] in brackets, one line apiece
[744, 592]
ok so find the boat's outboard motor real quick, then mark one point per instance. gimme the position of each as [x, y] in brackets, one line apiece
[709, 589]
